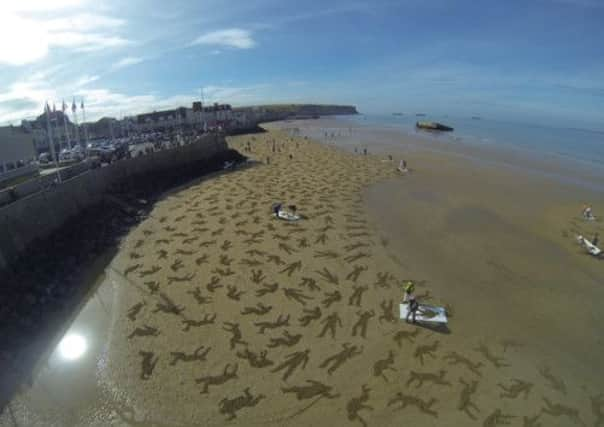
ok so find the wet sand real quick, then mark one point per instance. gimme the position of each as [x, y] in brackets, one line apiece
[224, 315]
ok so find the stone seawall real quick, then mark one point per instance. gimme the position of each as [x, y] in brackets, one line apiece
[38, 215]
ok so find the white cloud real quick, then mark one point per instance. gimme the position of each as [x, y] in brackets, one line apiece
[85, 80]
[86, 42]
[26, 35]
[39, 5]
[83, 22]
[232, 37]
[126, 62]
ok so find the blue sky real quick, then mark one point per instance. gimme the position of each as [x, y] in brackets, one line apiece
[515, 60]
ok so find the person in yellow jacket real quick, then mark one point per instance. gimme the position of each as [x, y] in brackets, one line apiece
[410, 299]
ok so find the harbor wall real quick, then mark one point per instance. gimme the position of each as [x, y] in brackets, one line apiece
[37, 215]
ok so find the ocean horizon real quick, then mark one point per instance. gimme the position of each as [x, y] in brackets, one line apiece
[568, 144]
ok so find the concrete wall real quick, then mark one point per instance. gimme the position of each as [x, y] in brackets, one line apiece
[36, 216]
[15, 173]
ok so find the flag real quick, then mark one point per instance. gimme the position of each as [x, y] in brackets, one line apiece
[73, 106]
[64, 107]
[82, 104]
[47, 108]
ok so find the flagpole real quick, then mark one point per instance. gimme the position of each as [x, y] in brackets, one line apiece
[84, 121]
[49, 134]
[77, 125]
[63, 108]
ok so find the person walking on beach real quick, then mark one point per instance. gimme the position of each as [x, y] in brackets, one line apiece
[595, 240]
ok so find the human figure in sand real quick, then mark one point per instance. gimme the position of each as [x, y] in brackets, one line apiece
[595, 240]
[411, 300]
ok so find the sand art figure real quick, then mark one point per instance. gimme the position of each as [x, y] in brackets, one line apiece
[515, 389]
[348, 352]
[465, 403]
[497, 418]
[223, 272]
[236, 335]
[330, 324]
[234, 293]
[292, 267]
[560, 410]
[310, 391]
[255, 360]
[167, 305]
[357, 404]
[198, 296]
[309, 283]
[180, 279]
[257, 276]
[145, 331]
[135, 310]
[309, 316]
[457, 359]
[229, 373]
[382, 365]
[328, 276]
[292, 362]
[497, 362]
[214, 284]
[153, 286]
[201, 260]
[267, 289]
[207, 320]
[357, 295]
[198, 355]
[154, 269]
[362, 322]
[147, 364]
[162, 254]
[230, 407]
[404, 400]
[554, 382]
[387, 312]
[280, 322]
[260, 309]
[426, 350]
[356, 271]
[296, 295]
[421, 377]
[287, 340]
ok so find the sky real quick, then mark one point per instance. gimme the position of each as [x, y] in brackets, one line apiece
[539, 60]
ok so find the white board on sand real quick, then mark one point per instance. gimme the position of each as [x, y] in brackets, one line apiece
[288, 216]
[590, 247]
[425, 313]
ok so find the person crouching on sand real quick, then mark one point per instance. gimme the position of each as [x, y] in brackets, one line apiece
[587, 212]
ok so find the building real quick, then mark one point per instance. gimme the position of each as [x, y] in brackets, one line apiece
[63, 133]
[197, 116]
[16, 148]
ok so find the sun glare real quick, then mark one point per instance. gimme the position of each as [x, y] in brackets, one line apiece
[72, 347]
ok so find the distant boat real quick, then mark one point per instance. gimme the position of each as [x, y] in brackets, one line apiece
[476, 118]
[420, 114]
[397, 114]
[433, 126]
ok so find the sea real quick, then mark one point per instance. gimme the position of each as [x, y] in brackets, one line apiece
[583, 147]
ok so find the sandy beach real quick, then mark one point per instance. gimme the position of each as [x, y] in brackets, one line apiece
[223, 315]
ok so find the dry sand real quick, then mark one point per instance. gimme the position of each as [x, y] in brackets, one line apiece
[212, 291]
